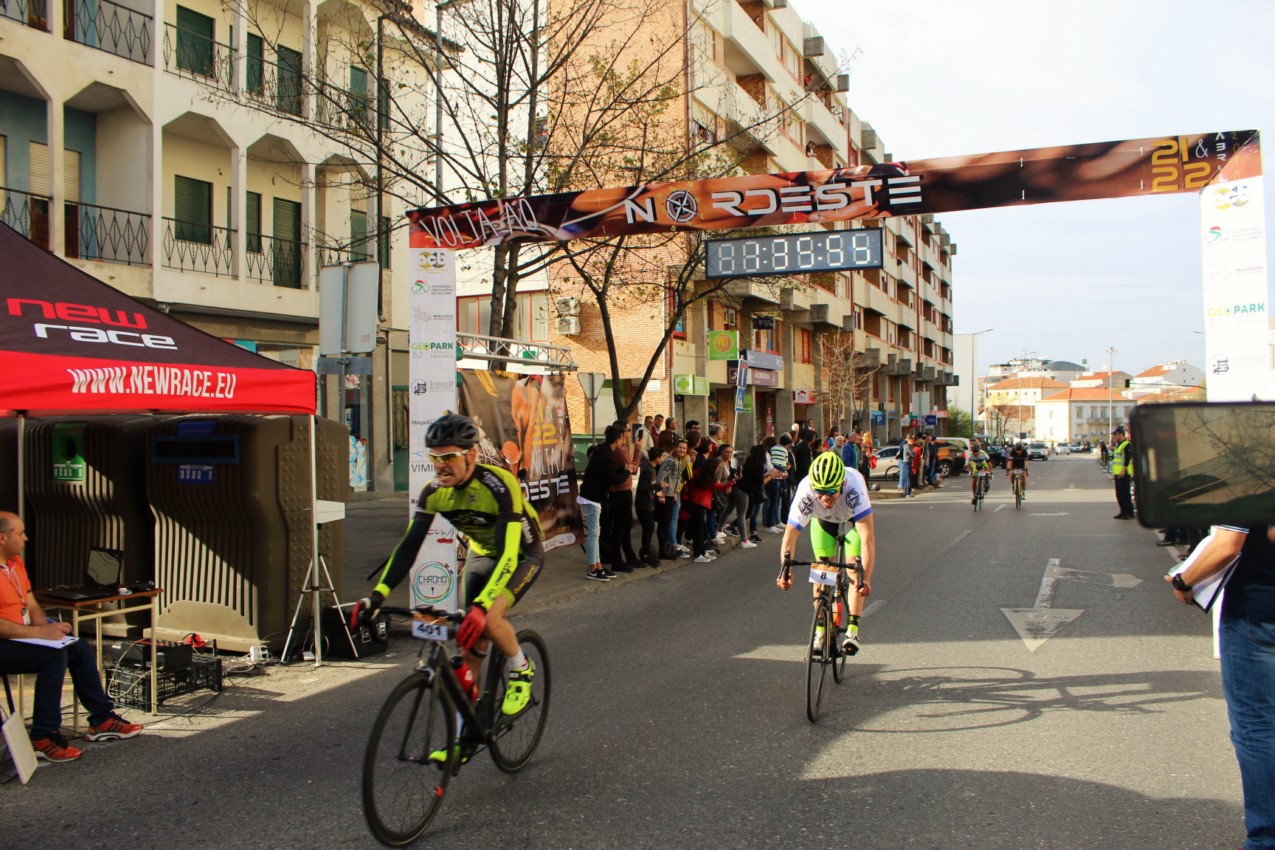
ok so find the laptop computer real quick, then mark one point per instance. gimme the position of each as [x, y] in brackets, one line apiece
[101, 577]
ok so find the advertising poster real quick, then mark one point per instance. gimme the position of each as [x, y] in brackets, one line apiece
[432, 392]
[1236, 320]
[524, 426]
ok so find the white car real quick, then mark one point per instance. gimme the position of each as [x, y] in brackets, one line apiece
[1062, 449]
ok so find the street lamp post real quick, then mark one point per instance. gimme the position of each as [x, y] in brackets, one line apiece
[973, 378]
[440, 7]
[1111, 369]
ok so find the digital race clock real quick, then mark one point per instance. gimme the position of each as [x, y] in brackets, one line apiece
[797, 253]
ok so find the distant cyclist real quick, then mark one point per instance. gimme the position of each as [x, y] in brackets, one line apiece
[980, 461]
[1016, 464]
[506, 552]
[831, 495]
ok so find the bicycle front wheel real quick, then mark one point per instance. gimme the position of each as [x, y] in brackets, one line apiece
[816, 669]
[1018, 495]
[514, 739]
[842, 621]
[403, 786]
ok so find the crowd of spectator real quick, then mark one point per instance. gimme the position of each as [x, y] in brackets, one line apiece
[690, 489]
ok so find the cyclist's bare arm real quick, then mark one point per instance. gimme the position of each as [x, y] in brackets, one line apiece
[787, 551]
[867, 551]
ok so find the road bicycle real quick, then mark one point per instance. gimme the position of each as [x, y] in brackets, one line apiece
[980, 489]
[416, 747]
[831, 617]
[1017, 476]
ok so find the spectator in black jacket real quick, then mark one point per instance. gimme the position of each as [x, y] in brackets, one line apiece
[599, 476]
[646, 500]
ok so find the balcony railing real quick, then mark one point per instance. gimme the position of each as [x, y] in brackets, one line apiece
[332, 256]
[280, 262]
[346, 110]
[29, 12]
[111, 27]
[103, 233]
[274, 85]
[26, 213]
[195, 247]
[190, 55]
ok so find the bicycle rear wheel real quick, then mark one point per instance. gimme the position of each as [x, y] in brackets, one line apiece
[816, 668]
[1018, 494]
[514, 739]
[402, 787]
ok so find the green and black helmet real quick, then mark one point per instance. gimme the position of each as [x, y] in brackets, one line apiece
[827, 473]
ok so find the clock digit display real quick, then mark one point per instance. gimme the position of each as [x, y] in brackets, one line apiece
[797, 253]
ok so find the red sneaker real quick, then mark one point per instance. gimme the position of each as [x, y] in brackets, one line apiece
[55, 748]
[113, 728]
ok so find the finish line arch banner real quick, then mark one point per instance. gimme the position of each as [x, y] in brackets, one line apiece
[1122, 169]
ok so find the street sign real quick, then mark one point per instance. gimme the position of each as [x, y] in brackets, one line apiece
[591, 383]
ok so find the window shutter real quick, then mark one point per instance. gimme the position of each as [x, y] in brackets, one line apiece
[287, 243]
[195, 33]
[192, 207]
[71, 176]
[358, 235]
[256, 63]
[288, 86]
[252, 222]
[38, 181]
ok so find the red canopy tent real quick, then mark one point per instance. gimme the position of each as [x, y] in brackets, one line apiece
[69, 342]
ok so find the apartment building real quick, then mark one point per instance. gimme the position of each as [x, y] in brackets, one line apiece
[764, 82]
[210, 158]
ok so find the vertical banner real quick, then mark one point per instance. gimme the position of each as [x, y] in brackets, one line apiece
[524, 427]
[432, 343]
[1233, 245]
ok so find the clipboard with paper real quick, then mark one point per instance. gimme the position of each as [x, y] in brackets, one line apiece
[1207, 591]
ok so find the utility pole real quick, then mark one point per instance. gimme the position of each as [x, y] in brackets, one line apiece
[1111, 371]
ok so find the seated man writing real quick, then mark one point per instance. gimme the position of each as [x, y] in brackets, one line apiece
[22, 617]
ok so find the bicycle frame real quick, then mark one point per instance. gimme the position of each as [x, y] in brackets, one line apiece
[435, 659]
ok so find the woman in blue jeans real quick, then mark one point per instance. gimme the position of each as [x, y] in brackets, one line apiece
[595, 487]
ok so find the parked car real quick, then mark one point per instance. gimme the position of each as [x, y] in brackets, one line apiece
[1062, 449]
[997, 454]
[887, 463]
[1080, 448]
[951, 457]
[1037, 451]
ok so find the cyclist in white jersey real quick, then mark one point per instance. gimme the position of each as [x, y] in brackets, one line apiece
[828, 496]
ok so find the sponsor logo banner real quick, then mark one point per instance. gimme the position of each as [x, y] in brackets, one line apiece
[1119, 169]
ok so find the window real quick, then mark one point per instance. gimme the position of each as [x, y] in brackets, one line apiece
[288, 85]
[473, 315]
[286, 245]
[192, 208]
[252, 223]
[677, 305]
[769, 340]
[358, 236]
[256, 64]
[358, 103]
[195, 33]
[804, 344]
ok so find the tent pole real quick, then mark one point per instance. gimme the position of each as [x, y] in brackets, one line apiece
[314, 545]
[22, 448]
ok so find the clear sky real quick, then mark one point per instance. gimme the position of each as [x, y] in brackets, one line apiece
[1064, 281]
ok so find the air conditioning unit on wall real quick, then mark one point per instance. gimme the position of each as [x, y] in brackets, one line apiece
[569, 325]
[568, 305]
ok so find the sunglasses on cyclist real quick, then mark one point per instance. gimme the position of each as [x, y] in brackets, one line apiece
[446, 457]
[835, 492]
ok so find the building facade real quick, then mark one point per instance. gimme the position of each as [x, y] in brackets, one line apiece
[210, 159]
[761, 84]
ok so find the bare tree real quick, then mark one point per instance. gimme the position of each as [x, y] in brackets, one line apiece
[847, 377]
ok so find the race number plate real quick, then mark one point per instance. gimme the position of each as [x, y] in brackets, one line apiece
[822, 574]
[429, 631]
[984, 474]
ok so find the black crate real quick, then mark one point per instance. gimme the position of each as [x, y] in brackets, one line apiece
[131, 686]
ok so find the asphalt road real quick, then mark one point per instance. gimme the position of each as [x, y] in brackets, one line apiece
[678, 713]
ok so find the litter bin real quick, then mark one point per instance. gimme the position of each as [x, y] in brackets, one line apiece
[233, 523]
[85, 489]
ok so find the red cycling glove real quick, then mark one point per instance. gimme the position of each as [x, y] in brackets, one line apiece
[471, 628]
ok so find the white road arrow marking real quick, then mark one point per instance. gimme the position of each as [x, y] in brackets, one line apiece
[1039, 623]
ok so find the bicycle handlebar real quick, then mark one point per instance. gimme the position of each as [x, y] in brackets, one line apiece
[857, 566]
[427, 610]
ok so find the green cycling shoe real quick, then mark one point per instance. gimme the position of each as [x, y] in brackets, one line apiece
[518, 691]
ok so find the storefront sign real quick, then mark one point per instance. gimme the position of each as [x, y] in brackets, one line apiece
[805, 397]
[763, 323]
[690, 385]
[723, 345]
[763, 360]
[754, 377]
